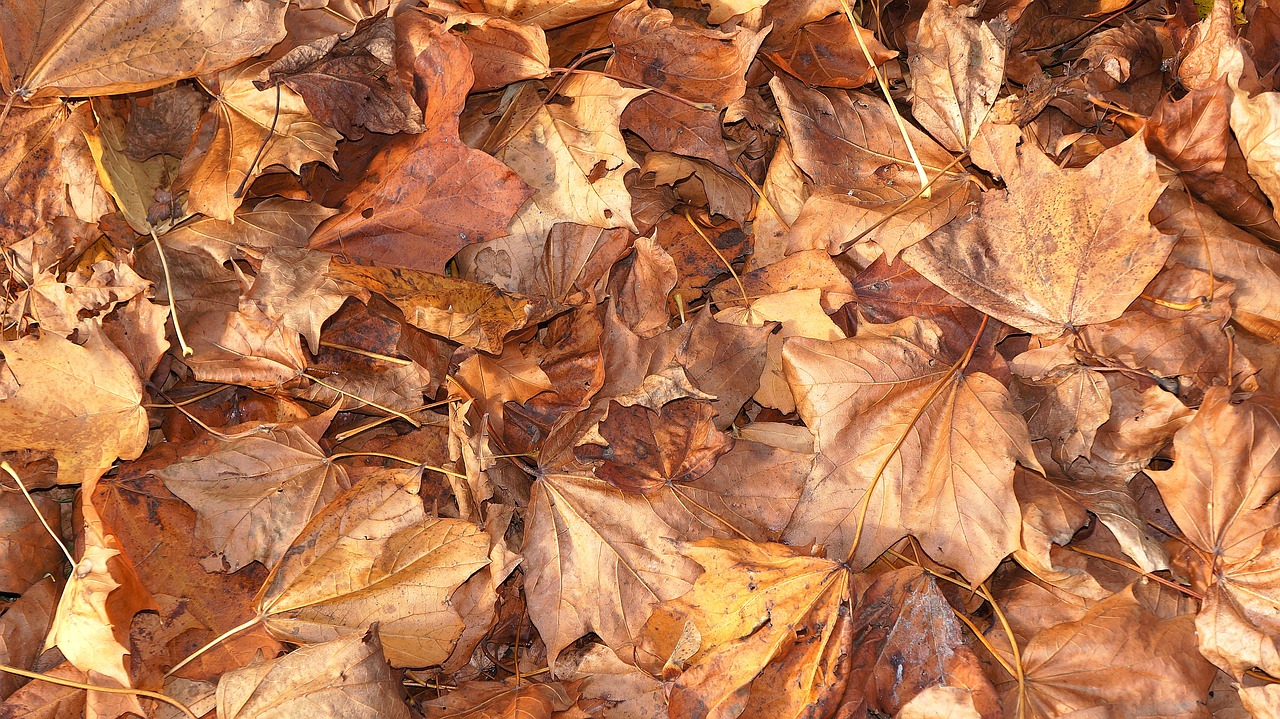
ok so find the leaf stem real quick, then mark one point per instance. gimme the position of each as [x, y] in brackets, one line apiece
[95, 688]
[173, 306]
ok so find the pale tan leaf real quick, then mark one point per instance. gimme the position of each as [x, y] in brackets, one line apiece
[83, 403]
[107, 47]
[373, 555]
[254, 494]
[345, 677]
[957, 66]
[1057, 248]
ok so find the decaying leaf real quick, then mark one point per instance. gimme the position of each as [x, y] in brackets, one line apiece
[1053, 251]
[373, 555]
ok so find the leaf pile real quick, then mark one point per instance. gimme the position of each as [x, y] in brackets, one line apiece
[594, 358]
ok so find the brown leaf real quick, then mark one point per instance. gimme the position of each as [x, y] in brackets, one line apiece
[596, 560]
[572, 153]
[347, 676]
[80, 402]
[908, 447]
[22, 629]
[672, 126]
[47, 168]
[864, 179]
[476, 315]
[545, 14]
[698, 64]
[1119, 656]
[651, 449]
[957, 66]
[350, 81]
[107, 47]
[293, 288]
[503, 52]
[254, 494]
[1062, 400]
[1224, 474]
[27, 552]
[826, 54]
[272, 223]
[373, 555]
[907, 640]
[426, 196]
[251, 130]
[1053, 250]
[502, 700]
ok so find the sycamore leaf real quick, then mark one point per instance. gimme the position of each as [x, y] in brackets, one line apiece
[373, 555]
[294, 289]
[27, 552]
[651, 449]
[254, 494]
[957, 66]
[91, 625]
[476, 315]
[545, 14]
[83, 403]
[108, 47]
[272, 223]
[502, 700]
[503, 52]
[596, 560]
[47, 169]
[908, 447]
[1220, 491]
[427, 196]
[572, 153]
[762, 613]
[346, 677]
[826, 54]
[866, 184]
[252, 130]
[22, 630]
[1056, 249]
[1119, 657]
[696, 63]
[351, 81]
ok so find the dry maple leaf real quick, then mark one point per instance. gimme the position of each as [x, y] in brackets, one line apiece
[651, 449]
[957, 65]
[865, 182]
[373, 555]
[351, 80]
[572, 153]
[27, 551]
[1220, 491]
[1056, 249]
[345, 677]
[503, 52]
[254, 494]
[106, 47]
[1120, 656]
[252, 130]
[502, 700]
[473, 314]
[908, 446]
[427, 196]
[22, 629]
[83, 403]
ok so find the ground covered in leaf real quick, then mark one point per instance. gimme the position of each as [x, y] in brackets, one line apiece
[584, 358]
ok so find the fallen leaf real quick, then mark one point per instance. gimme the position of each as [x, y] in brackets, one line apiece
[957, 65]
[1224, 471]
[908, 446]
[347, 676]
[1051, 251]
[108, 47]
[572, 153]
[429, 195]
[252, 130]
[650, 449]
[476, 315]
[373, 555]
[22, 629]
[491, 700]
[254, 494]
[83, 403]
[27, 552]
